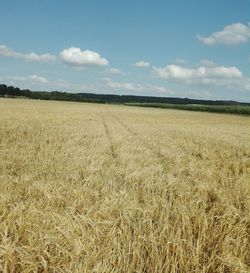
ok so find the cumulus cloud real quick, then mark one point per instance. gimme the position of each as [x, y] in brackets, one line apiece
[142, 64]
[73, 56]
[181, 73]
[241, 83]
[82, 58]
[28, 57]
[114, 71]
[36, 82]
[214, 75]
[233, 34]
[38, 79]
[123, 85]
[208, 63]
[136, 87]
[31, 79]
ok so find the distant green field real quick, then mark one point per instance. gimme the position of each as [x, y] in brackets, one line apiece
[230, 109]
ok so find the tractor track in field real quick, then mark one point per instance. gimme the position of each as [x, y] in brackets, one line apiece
[118, 175]
[110, 139]
[149, 146]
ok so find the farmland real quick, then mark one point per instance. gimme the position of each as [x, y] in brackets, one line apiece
[113, 188]
[227, 109]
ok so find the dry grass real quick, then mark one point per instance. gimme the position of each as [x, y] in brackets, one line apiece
[98, 188]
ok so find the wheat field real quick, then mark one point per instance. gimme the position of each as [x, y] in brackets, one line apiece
[106, 188]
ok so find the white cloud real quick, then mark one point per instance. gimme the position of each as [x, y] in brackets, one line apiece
[241, 83]
[76, 57]
[208, 63]
[31, 79]
[136, 87]
[123, 86]
[233, 34]
[142, 64]
[181, 73]
[72, 56]
[28, 57]
[36, 82]
[114, 71]
[229, 77]
[37, 79]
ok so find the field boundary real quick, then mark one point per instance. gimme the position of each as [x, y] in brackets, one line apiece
[220, 109]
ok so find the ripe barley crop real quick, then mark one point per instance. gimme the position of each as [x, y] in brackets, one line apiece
[101, 188]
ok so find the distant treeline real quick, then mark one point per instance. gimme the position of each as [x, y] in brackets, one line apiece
[10, 91]
[242, 109]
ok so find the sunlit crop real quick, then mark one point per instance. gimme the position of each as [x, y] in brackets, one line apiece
[102, 188]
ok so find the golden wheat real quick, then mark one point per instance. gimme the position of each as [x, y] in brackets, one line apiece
[101, 188]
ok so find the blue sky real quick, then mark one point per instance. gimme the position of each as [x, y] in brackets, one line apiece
[196, 49]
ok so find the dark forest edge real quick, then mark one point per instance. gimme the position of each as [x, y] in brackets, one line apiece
[219, 106]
